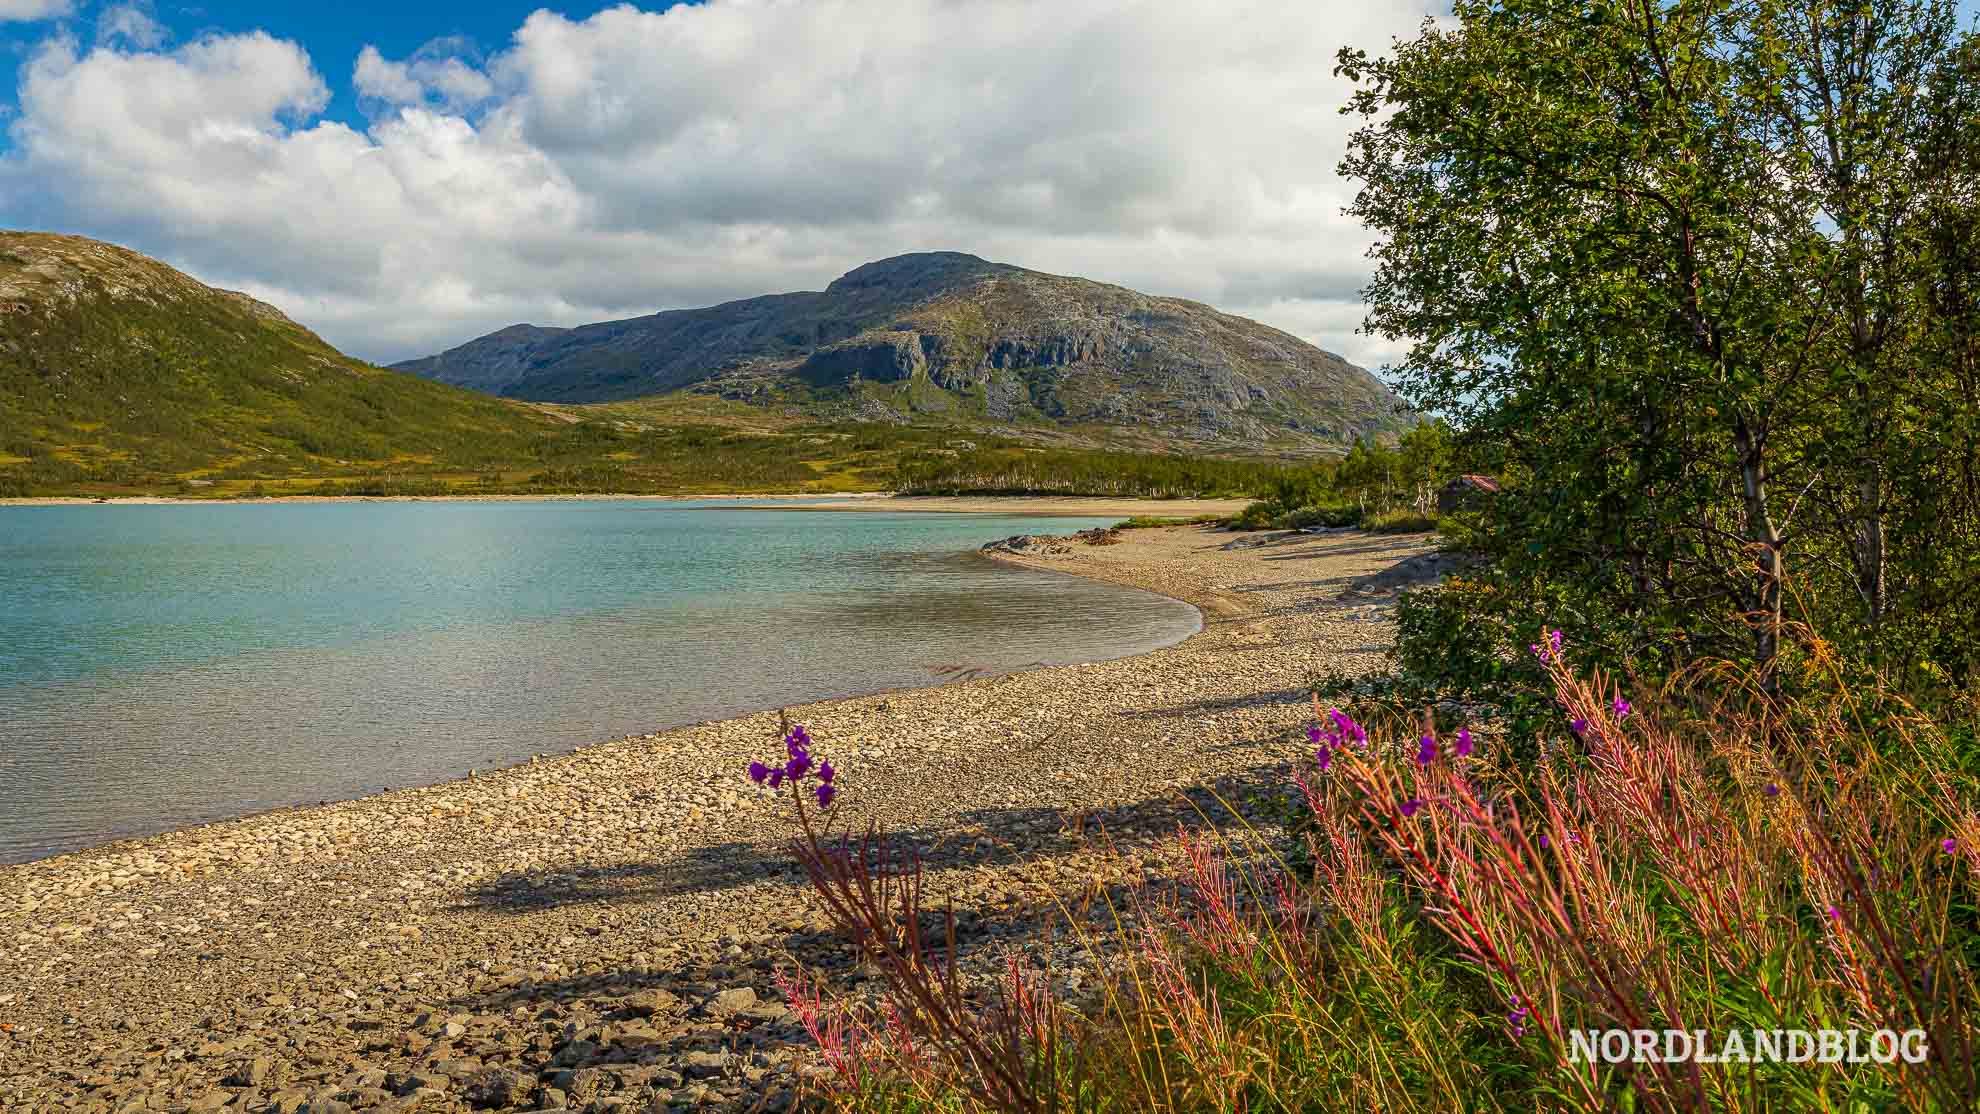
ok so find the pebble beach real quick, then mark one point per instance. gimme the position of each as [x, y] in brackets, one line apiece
[601, 930]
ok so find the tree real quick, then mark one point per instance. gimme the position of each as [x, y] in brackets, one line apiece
[1655, 257]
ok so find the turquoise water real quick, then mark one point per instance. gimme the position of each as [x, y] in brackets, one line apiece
[166, 665]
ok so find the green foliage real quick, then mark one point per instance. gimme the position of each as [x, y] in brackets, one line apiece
[1400, 522]
[1698, 283]
[1007, 467]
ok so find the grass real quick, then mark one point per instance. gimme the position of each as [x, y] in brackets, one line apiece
[1149, 522]
[1443, 917]
[137, 397]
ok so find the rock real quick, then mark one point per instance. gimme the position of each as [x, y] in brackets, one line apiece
[646, 1003]
[731, 1002]
[704, 1065]
[498, 1089]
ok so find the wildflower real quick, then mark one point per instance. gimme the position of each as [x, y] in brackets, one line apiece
[1579, 727]
[825, 771]
[1318, 737]
[1620, 707]
[1543, 839]
[797, 766]
[1410, 807]
[1346, 728]
[825, 795]
[1554, 640]
[1517, 1018]
[758, 771]
[1948, 845]
[798, 741]
[1426, 753]
[1551, 650]
[1463, 746]
[1323, 756]
[1835, 914]
[776, 777]
[1772, 790]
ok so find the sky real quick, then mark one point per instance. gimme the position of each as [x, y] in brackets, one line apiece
[402, 177]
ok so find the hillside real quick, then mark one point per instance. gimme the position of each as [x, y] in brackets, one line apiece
[948, 338]
[120, 375]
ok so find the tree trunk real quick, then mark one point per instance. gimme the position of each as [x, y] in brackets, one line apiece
[1764, 538]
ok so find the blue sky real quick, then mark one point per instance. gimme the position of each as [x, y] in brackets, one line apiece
[332, 32]
[403, 177]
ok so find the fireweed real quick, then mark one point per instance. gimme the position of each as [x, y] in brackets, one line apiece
[1670, 864]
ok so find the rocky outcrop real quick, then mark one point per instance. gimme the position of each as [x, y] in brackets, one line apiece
[944, 332]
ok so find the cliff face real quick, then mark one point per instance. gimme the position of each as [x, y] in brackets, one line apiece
[944, 333]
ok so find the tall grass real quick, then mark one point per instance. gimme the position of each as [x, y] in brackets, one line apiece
[1446, 920]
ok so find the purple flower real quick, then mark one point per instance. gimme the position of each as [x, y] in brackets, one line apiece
[825, 795]
[1620, 707]
[1579, 727]
[1772, 790]
[1410, 807]
[1554, 640]
[758, 771]
[776, 777]
[1345, 727]
[796, 767]
[1517, 1018]
[1426, 751]
[1323, 756]
[1835, 914]
[797, 741]
[1318, 737]
[1551, 650]
[1543, 839]
[1463, 747]
[825, 771]
[1948, 845]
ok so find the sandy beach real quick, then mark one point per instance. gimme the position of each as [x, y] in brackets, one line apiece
[599, 931]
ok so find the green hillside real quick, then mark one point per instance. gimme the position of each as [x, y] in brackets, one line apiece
[120, 375]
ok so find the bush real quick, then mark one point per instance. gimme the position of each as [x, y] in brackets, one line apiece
[1320, 514]
[1401, 522]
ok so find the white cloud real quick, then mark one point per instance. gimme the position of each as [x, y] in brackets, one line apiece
[435, 74]
[636, 160]
[26, 10]
[130, 24]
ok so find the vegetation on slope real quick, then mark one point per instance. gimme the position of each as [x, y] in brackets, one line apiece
[119, 376]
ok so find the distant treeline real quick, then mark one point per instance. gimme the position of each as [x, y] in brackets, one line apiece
[1012, 469]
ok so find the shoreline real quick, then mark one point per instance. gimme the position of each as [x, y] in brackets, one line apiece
[629, 893]
[1068, 506]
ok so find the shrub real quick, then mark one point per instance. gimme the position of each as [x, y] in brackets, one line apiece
[1320, 514]
[1401, 522]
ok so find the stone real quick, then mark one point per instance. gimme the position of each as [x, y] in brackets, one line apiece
[732, 1001]
[498, 1089]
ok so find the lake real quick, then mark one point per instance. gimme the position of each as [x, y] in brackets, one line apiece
[167, 665]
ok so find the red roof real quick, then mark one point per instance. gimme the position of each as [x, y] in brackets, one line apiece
[1482, 483]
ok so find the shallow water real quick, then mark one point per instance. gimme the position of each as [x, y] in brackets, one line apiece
[166, 665]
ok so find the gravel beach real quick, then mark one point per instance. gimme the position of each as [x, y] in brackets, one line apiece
[599, 930]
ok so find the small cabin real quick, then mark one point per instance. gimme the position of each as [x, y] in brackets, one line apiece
[1465, 493]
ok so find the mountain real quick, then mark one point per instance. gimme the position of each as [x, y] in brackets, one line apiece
[943, 335]
[122, 376]
[117, 370]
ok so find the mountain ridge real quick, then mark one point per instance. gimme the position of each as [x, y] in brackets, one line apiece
[929, 334]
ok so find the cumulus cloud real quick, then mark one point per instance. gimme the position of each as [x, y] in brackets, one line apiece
[438, 73]
[26, 10]
[635, 160]
[131, 24]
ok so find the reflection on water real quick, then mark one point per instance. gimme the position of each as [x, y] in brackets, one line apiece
[161, 666]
